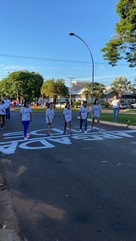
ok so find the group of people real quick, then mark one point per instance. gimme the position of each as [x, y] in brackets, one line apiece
[26, 115]
[84, 112]
[4, 111]
[67, 116]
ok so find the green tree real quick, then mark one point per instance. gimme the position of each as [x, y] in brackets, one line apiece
[134, 89]
[121, 85]
[54, 88]
[123, 44]
[23, 84]
[98, 89]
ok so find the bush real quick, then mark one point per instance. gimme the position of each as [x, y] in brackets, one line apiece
[76, 104]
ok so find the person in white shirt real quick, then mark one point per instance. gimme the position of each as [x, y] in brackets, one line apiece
[116, 107]
[25, 118]
[96, 112]
[2, 114]
[7, 103]
[49, 116]
[67, 114]
[84, 111]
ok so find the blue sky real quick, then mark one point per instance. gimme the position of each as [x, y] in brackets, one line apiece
[34, 37]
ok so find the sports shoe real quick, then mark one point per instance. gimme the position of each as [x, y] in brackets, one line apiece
[25, 138]
[80, 131]
[3, 127]
[28, 135]
[85, 132]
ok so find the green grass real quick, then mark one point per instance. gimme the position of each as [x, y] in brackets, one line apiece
[129, 119]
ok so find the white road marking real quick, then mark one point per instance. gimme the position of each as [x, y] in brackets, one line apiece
[42, 141]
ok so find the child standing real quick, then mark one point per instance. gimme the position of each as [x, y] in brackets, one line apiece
[84, 111]
[96, 112]
[67, 114]
[49, 116]
[2, 114]
[25, 118]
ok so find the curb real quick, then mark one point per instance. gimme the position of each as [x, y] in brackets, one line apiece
[117, 124]
[113, 124]
[9, 230]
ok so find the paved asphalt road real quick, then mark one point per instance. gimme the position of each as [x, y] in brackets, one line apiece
[71, 188]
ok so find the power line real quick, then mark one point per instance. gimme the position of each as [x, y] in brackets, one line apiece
[53, 60]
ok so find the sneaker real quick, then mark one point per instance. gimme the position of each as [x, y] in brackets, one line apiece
[3, 127]
[80, 131]
[85, 132]
[28, 135]
[25, 138]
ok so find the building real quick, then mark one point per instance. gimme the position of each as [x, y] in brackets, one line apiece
[77, 90]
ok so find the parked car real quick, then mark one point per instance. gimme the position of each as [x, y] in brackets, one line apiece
[133, 106]
[16, 103]
[124, 106]
[60, 105]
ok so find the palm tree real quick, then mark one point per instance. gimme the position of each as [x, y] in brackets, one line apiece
[98, 90]
[134, 89]
[121, 85]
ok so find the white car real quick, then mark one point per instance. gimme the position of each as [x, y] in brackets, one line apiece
[133, 106]
[61, 105]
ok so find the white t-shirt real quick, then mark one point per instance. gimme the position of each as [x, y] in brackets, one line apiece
[25, 111]
[49, 115]
[115, 103]
[84, 111]
[7, 102]
[67, 114]
[2, 109]
[96, 110]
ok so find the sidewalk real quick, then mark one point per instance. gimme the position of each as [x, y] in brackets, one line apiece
[8, 223]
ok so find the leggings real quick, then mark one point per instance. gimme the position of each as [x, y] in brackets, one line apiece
[2, 120]
[25, 124]
[8, 113]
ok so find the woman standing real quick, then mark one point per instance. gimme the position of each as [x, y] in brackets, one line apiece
[25, 118]
[116, 107]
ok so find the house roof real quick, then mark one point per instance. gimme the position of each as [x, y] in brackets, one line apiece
[78, 92]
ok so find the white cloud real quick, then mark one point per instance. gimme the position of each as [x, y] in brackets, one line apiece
[6, 69]
[16, 67]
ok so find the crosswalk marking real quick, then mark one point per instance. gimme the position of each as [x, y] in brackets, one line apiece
[39, 139]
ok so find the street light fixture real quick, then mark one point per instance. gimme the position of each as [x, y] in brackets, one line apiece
[73, 34]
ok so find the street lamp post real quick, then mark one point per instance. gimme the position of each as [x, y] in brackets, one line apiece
[73, 34]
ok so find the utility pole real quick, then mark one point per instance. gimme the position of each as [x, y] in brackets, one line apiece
[70, 99]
